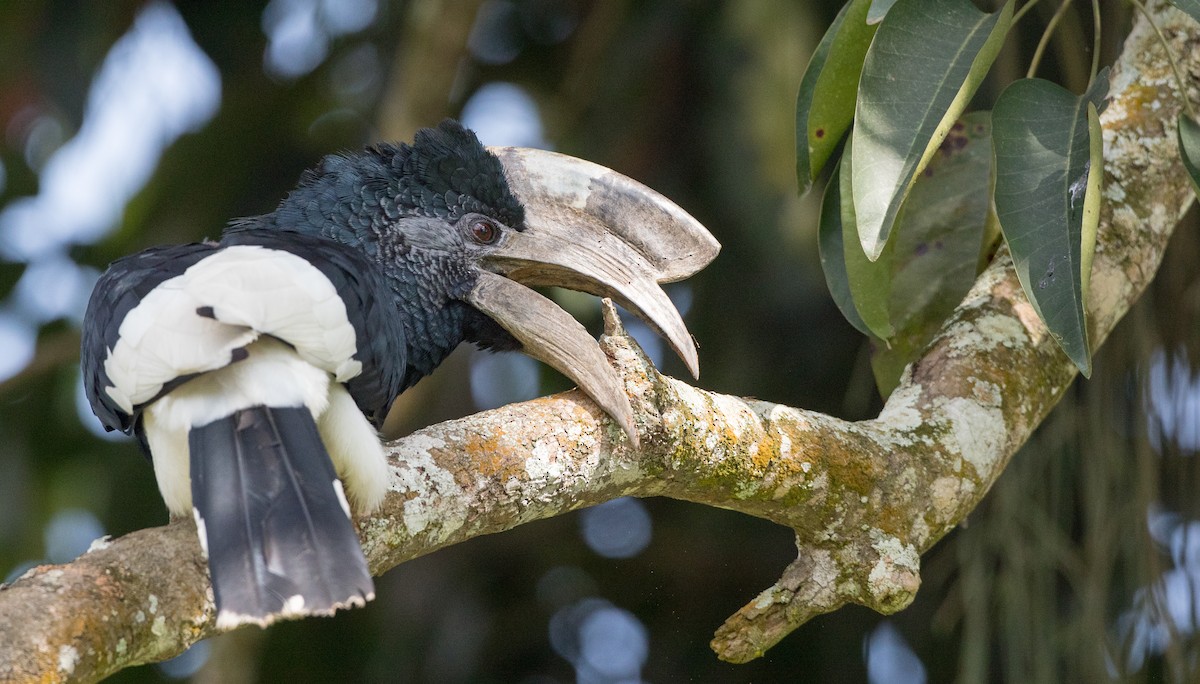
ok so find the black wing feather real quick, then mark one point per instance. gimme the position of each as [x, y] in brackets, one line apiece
[125, 284]
[370, 307]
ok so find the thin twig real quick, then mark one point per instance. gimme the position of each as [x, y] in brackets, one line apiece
[1045, 39]
[1187, 101]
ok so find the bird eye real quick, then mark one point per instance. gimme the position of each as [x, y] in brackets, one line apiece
[484, 232]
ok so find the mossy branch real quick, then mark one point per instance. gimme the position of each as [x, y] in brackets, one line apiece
[865, 499]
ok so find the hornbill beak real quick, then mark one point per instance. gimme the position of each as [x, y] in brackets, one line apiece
[591, 229]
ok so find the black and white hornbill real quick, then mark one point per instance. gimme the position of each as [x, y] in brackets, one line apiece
[254, 370]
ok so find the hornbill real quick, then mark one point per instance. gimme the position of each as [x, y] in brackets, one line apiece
[255, 369]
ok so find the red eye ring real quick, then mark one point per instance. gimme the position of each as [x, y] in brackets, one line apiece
[484, 232]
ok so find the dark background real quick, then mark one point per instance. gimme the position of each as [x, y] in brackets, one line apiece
[1080, 565]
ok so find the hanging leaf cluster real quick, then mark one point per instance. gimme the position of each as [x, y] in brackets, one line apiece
[920, 191]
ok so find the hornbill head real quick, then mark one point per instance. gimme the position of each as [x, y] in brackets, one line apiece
[590, 229]
[465, 232]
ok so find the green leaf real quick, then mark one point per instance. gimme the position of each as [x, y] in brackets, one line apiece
[1049, 165]
[926, 61]
[806, 171]
[902, 298]
[870, 281]
[1192, 7]
[1096, 98]
[1189, 148]
[833, 257]
[937, 244]
[879, 10]
[1089, 221]
[825, 103]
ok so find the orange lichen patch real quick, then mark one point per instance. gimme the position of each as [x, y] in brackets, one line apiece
[500, 456]
[895, 521]
[572, 405]
[490, 455]
[851, 465]
[1140, 103]
[764, 455]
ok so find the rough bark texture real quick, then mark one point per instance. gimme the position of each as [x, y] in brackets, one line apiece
[865, 499]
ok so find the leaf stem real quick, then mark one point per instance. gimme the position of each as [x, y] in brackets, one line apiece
[1041, 46]
[1095, 42]
[1187, 103]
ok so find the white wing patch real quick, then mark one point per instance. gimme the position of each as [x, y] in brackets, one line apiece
[163, 338]
[251, 291]
[279, 294]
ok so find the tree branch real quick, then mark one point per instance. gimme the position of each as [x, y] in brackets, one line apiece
[865, 499]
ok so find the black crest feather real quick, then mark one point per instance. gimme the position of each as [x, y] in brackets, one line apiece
[446, 172]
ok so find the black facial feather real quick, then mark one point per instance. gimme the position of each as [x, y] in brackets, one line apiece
[362, 199]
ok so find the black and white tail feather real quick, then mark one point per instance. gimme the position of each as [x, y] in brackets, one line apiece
[245, 370]
[286, 545]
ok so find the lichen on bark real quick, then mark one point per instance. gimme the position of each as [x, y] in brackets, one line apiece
[864, 499]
